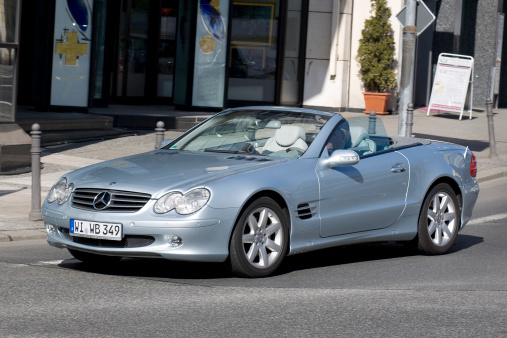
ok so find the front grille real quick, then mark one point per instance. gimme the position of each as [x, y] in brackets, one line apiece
[129, 241]
[121, 201]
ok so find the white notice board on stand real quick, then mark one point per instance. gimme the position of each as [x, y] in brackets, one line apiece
[453, 84]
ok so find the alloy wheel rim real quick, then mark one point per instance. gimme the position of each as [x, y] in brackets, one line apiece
[441, 218]
[262, 238]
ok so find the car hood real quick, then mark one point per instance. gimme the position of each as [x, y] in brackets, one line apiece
[160, 171]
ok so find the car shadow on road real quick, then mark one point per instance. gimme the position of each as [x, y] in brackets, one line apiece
[365, 252]
[153, 268]
[163, 269]
[465, 241]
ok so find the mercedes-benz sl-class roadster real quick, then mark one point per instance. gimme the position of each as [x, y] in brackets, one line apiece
[251, 185]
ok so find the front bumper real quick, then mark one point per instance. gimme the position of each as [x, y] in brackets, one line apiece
[203, 239]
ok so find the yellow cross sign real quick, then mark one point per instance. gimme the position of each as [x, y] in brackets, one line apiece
[71, 49]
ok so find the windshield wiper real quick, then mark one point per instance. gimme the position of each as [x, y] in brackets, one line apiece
[225, 151]
[243, 152]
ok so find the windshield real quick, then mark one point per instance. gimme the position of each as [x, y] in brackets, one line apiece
[260, 132]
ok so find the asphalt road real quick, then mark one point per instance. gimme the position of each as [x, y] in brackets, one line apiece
[362, 290]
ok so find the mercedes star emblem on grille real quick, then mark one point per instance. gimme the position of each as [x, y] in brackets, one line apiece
[102, 200]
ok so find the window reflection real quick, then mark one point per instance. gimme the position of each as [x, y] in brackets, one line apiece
[100, 38]
[167, 47]
[290, 78]
[7, 62]
[252, 66]
[8, 17]
[8, 54]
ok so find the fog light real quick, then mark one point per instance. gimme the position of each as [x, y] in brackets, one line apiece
[175, 241]
[51, 229]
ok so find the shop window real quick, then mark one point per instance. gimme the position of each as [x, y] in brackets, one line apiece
[9, 14]
[253, 50]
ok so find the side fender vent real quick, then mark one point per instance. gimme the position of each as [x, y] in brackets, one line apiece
[306, 210]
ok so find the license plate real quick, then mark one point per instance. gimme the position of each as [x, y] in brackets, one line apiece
[111, 231]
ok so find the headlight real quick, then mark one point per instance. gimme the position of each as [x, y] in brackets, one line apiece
[183, 204]
[60, 191]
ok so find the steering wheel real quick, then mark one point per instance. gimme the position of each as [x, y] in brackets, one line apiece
[250, 149]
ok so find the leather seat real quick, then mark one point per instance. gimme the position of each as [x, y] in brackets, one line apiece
[361, 142]
[286, 137]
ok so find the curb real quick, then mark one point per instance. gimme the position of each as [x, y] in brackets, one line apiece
[492, 174]
[22, 235]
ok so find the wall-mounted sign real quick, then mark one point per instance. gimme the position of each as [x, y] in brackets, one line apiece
[453, 84]
[71, 54]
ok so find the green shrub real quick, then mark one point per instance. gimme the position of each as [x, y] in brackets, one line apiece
[375, 54]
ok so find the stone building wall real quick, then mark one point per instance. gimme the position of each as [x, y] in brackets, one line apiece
[474, 35]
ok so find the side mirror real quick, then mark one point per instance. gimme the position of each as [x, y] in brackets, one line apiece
[165, 142]
[342, 158]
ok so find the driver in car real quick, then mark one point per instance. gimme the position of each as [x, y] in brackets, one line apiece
[340, 139]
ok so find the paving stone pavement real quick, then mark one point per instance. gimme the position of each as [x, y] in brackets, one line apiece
[15, 190]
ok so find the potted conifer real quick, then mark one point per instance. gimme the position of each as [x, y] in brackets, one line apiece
[375, 56]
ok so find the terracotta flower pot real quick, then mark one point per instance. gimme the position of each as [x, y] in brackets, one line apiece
[377, 102]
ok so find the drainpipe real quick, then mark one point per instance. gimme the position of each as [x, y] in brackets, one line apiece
[333, 57]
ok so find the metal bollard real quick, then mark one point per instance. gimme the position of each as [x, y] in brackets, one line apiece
[410, 120]
[159, 134]
[491, 129]
[35, 213]
[372, 125]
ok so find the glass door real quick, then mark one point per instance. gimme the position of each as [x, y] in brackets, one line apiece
[145, 50]
[132, 50]
[167, 47]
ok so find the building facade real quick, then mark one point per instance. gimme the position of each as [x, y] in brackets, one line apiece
[220, 53]
[191, 54]
[74, 55]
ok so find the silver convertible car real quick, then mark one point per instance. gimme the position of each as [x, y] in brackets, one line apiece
[252, 185]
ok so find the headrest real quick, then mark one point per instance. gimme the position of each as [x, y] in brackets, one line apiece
[357, 134]
[273, 124]
[288, 135]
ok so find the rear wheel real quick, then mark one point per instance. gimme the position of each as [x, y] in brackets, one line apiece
[439, 220]
[94, 259]
[259, 241]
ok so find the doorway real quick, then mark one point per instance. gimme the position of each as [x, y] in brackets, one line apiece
[144, 52]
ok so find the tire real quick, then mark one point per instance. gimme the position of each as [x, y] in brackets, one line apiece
[260, 239]
[94, 259]
[439, 220]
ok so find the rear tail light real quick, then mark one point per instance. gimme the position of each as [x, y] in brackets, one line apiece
[473, 166]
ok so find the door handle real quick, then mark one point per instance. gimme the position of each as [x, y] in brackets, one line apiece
[398, 168]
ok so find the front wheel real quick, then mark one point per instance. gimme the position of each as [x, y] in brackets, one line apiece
[439, 220]
[259, 241]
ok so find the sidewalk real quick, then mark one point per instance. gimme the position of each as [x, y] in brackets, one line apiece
[15, 190]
